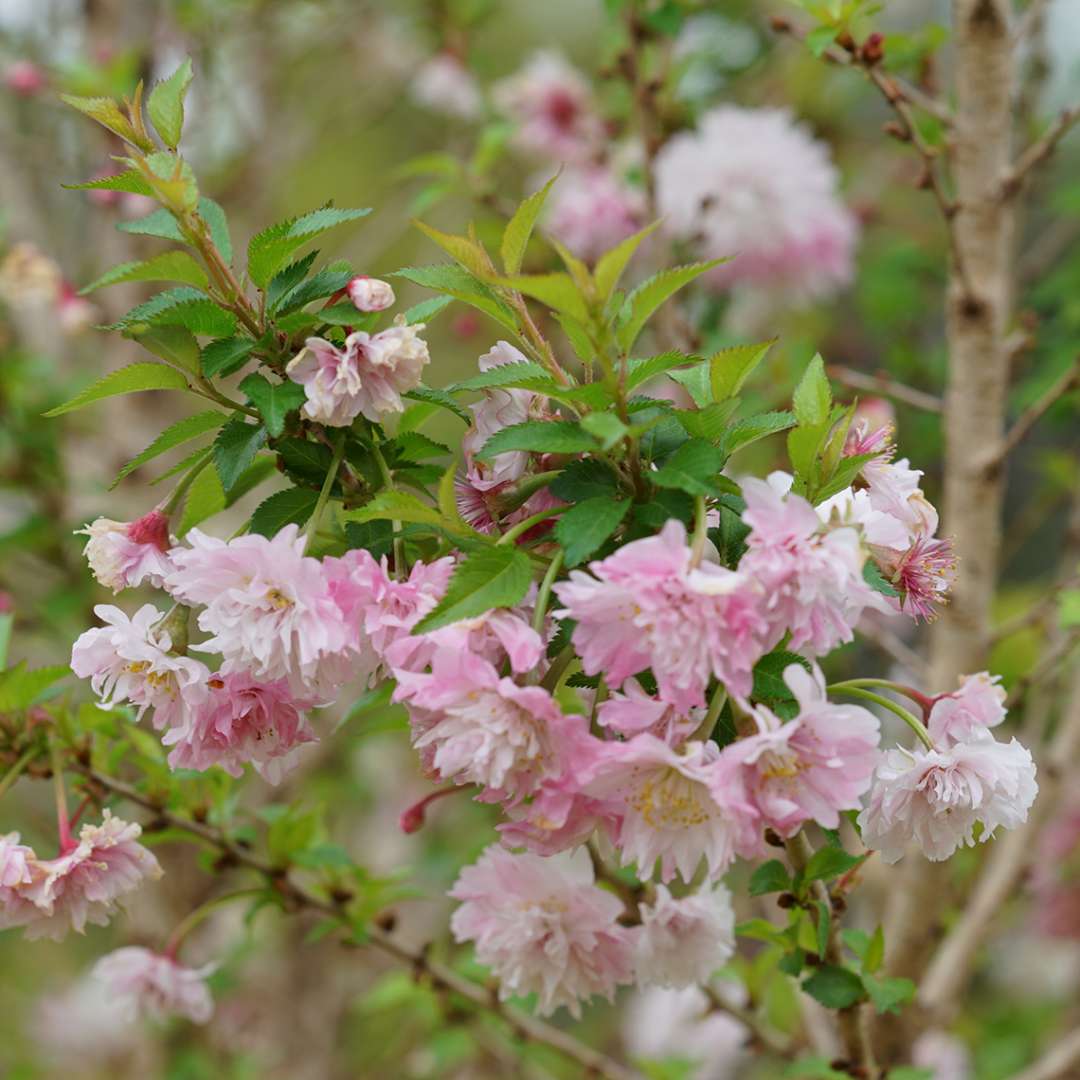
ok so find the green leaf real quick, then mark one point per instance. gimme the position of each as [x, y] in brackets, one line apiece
[426, 310]
[284, 281]
[830, 862]
[166, 104]
[804, 446]
[539, 436]
[820, 38]
[461, 285]
[708, 422]
[205, 498]
[305, 460]
[586, 478]
[324, 283]
[747, 431]
[107, 113]
[396, 506]
[21, 687]
[501, 375]
[763, 930]
[214, 216]
[293, 506]
[695, 380]
[235, 448]
[494, 577]
[874, 956]
[822, 927]
[888, 994]
[182, 306]
[412, 446]
[606, 426]
[225, 355]
[877, 581]
[269, 250]
[515, 238]
[191, 427]
[769, 685]
[172, 343]
[556, 290]
[375, 537]
[583, 529]
[127, 380]
[612, 263]
[835, 987]
[770, 877]
[843, 475]
[693, 468]
[159, 223]
[641, 371]
[273, 400]
[469, 252]
[169, 266]
[813, 398]
[130, 181]
[730, 368]
[438, 397]
[650, 294]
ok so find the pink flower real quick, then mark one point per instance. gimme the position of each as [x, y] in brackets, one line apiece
[944, 1056]
[142, 982]
[553, 106]
[646, 607]
[367, 377]
[270, 609]
[755, 184]
[1055, 878]
[475, 727]
[671, 805]
[557, 818]
[243, 721]
[370, 294]
[543, 927]
[25, 78]
[16, 871]
[123, 554]
[633, 711]
[922, 575]
[82, 884]
[591, 210]
[684, 941]
[129, 660]
[936, 797]
[808, 769]
[811, 577]
[445, 85]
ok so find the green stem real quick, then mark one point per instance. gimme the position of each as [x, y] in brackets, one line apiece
[16, 770]
[523, 527]
[388, 483]
[898, 710]
[917, 696]
[544, 594]
[181, 489]
[192, 919]
[705, 728]
[701, 530]
[328, 483]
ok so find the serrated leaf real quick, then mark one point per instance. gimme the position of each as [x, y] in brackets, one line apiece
[191, 427]
[515, 238]
[273, 400]
[205, 498]
[693, 468]
[830, 862]
[107, 113]
[611, 264]
[269, 250]
[375, 537]
[159, 223]
[747, 431]
[588, 525]
[708, 422]
[586, 478]
[843, 475]
[557, 290]
[165, 104]
[214, 216]
[172, 343]
[501, 375]
[21, 687]
[396, 506]
[426, 310]
[441, 398]
[730, 368]
[494, 577]
[770, 877]
[461, 285]
[412, 446]
[812, 399]
[769, 685]
[642, 370]
[835, 987]
[284, 281]
[225, 355]
[606, 426]
[192, 461]
[304, 459]
[324, 283]
[132, 379]
[169, 266]
[888, 995]
[762, 930]
[539, 436]
[874, 956]
[650, 294]
[130, 181]
[235, 448]
[877, 581]
[182, 306]
[469, 253]
[695, 381]
[293, 506]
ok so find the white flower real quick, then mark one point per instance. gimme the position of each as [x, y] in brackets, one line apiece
[142, 982]
[937, 797]
[682, 942]
[445, 85]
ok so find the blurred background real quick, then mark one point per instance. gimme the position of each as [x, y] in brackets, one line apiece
[299, 101]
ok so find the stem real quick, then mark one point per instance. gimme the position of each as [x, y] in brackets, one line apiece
[63, 824]
[701, 530]
[328, 483]
[193, 918]
[181, 489]
[705, 728]
[388, 483]
[523, 527]
[917, 696]
[913, 723]
[544, 594]
[16, 770]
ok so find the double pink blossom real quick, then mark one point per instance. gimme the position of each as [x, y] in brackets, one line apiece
[141, 982]
[123, 554]
[683, 941]
[632, 711]
[592, 209]
[647, 606]
[543, 927]
[978, 704]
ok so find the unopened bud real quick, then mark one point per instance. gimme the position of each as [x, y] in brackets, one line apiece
[370, 294]
[25, 78]
[152, 528]
[873, 49]
[845, 41]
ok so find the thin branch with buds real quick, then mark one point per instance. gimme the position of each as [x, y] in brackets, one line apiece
[1039, 151]
[886, 387]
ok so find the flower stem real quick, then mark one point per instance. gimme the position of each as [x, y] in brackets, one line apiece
[701, 530]
[192, 919]
[544, 594]
[522, 527]
[898, 710]
[328, 483]
[388, 483]
[917, 696]
[181, 489]
[63, 824]
[716, 704]
[15, 771]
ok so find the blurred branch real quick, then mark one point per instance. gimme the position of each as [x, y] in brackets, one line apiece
[761, 1032]
[1036, 613]
[887, 387]
[1039, 151]
[892, 645]
[481, 997]
[1045, 667]
[1057, 1061]
[1030, 19]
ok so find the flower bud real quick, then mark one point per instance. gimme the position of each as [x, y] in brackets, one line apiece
[25, 78]
[370, 294]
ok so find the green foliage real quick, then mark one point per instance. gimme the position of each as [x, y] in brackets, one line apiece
[461, 285]
[293, 506]
[769, 877]
[166, 104]
[693, 468]
[269, 250]
[730, 368]
[184, 307]
[169, 266]
[539, 436]
[21, 686]
[494, 577]
[650, 294]
[835, 987]
[191, 427]
[515, 237]
[132, 379]
[225, 355]
[273, 400]
[584, 479]
[582, 530]
[235, 448]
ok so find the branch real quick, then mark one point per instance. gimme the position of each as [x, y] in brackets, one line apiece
[761, 1032]
[1038, 151]
[1027, 420]
[1045, 667]
[1036, 613]
[1057, 1061]
[887, 387]
[527, 1027]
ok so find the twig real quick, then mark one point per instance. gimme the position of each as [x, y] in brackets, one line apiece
[892, 645]
[1045, 667]
[1038, 151]
[886, 386]
[1028, 21]
[760, 1031]
[1036, 613]
[527, 1027]
[1057, 1061]
[1027, 420]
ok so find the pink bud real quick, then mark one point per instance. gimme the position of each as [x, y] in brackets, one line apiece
[25, 78]
[370, 294]
[412, 817]
[152, 528]
[465, 325]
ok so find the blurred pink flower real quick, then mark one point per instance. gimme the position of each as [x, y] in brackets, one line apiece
[543, 927]
[443, 84]
[922, 575]
[145, 983]
[1055, 875]
[591, 210]
[16, 862]
[25, 78]
[123, 554]
[683, 941]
